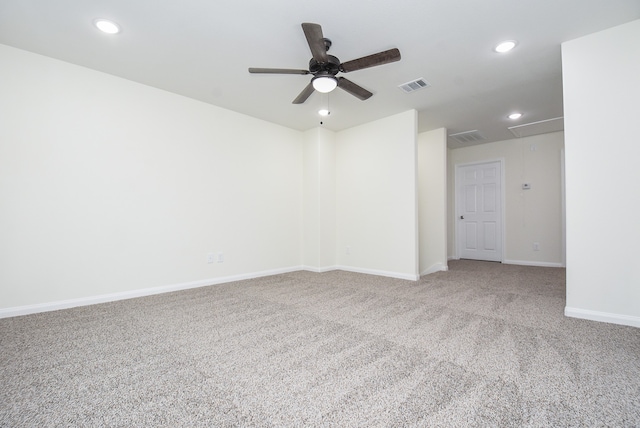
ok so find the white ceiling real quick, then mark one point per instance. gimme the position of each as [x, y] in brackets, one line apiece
[202, 49]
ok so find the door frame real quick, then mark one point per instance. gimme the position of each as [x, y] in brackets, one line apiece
[456, 207]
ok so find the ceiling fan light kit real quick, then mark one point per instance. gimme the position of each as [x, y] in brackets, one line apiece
[324, 84]
[325, 67]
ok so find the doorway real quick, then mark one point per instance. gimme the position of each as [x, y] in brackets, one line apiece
[479, 219]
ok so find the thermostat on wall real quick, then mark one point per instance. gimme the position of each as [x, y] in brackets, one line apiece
[526, 186]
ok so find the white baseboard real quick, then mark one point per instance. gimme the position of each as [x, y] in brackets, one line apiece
[111, 297]
[320, 269]
[438, 267]
[397, 275]
[602, 316]
[532, 263]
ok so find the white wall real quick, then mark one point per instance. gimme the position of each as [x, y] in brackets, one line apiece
[601, 97]
[533, 215]
[319, 238]
[112, 189]
[109, 186]
[377, 197]
[311, 201]
[432, 200]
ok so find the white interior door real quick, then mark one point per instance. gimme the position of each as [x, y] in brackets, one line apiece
[479, 211]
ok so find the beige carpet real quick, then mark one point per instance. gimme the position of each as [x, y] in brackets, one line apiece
[481, 345]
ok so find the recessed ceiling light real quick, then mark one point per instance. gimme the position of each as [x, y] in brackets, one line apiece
[505, 46]
[515, 116]
[323, 112]
[106, 26]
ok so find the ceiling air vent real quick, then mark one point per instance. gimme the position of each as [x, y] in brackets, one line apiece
[467, 137]
[536, 128]
[414, 85]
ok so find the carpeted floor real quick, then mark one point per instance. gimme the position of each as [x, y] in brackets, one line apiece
[484, 344]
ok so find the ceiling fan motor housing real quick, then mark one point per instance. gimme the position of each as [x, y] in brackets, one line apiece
[332, 66]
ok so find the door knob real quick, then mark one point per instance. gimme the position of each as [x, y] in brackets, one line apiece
[461, 217]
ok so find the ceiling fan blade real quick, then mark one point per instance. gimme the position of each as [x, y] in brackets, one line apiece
[277, 71]
[355, 90]
[313, 33]
[306, 93]
[380, 58]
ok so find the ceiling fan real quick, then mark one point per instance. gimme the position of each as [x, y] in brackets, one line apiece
[325, 67]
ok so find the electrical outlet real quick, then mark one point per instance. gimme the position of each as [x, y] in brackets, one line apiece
[536, 246]
[348, 250]
[220, 257]
[210, 258]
